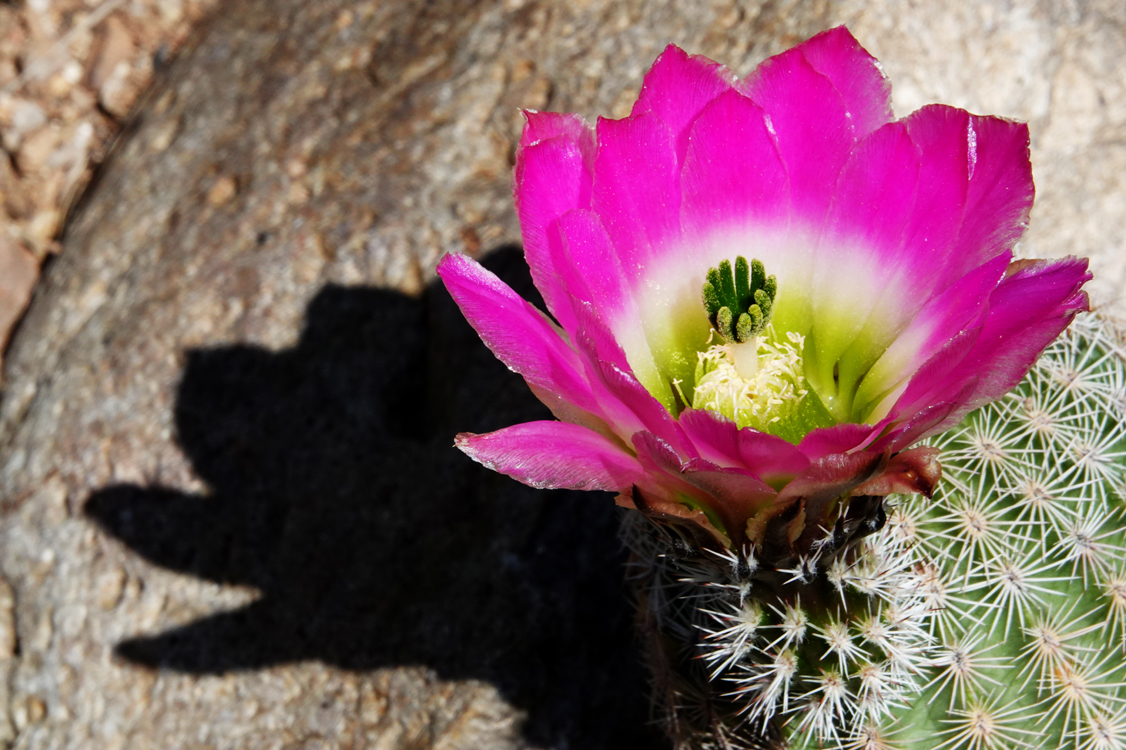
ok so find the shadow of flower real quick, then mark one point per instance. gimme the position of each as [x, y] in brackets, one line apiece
[335, 490]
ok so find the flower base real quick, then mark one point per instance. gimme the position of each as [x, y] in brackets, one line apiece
[746, 656]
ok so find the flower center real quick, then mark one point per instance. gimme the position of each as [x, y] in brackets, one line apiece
[754, 377]
[765, 399]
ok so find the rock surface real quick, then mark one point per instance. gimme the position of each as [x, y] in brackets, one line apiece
[231, 513]
[70, 73]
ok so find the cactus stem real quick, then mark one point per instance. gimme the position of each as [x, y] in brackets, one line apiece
[836, 634]
[877, 692]
[1114, 592]
[794, 623]
[1079, 691]
[1085, 547]
[1016, 589]
[1105, 731]
[731, 643]
[1044, 504]
[873, 737]
[767, 686]
[978, 533]
[962, 668]
[806, 568]
[829, 703]
[981, 726]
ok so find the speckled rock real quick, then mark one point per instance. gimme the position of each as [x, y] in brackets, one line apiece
[231, 513]
[70, 72]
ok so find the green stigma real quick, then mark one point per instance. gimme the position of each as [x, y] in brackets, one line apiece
[739, 301]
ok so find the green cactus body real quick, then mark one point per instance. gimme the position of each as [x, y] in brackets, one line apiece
[991, 616]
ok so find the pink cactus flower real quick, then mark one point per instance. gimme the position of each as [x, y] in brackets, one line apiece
[764, 293]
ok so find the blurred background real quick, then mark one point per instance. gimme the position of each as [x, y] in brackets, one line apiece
[230, 512]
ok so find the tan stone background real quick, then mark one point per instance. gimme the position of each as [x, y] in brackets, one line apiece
[231, 515]
[70, 74]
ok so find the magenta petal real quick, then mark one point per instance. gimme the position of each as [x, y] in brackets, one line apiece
[516, 332]
[815, 134]
[663, 465]
[657, 453]
[636, 188]
[733, 175]
[958, 309]
[854, 73]
[914, 471]
[592, 271]
[595, 341]
[1000, 192]
[729, 494]
[872, 208]
[554, 455]
[876, 195]
[839, 438]
[933, 379]
[539, 126]
[720, 441]
[959, 306]
[1027, 310]
[622, 400]
[954, 206]
[552, 178]
[678, 87]
[737, 483]
[594, 276]
[902, 195]
[831, 477]
[639, 404]
[733, 494]
[929, 421]
[944, 136]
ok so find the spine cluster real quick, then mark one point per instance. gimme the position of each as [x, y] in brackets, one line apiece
[992, 616]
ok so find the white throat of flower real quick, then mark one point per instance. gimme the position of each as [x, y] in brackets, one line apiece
[754, 384]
